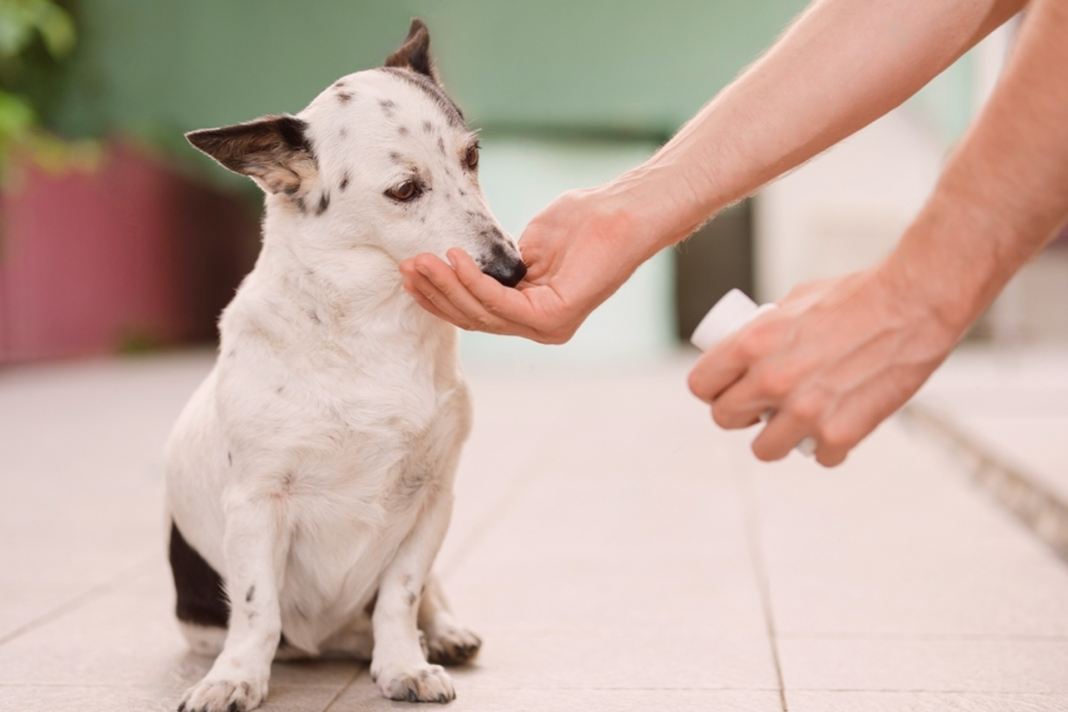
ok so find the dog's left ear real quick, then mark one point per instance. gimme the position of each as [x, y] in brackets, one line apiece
[274, 151]
[414, 54]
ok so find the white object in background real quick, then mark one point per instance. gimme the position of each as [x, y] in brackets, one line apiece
[733, 311]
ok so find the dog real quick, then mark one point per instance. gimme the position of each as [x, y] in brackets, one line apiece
[309, 478]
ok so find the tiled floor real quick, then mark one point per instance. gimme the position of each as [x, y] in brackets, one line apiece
[614, 550]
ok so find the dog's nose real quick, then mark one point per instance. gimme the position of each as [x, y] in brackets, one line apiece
[504, 264]
[508, 273]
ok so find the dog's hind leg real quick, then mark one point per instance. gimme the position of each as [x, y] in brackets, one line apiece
[201, 605]
[448, 643]
[255, 547]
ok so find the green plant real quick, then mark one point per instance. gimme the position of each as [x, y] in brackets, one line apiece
[35, 35]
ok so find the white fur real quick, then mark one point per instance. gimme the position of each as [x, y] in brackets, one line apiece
[314, 466]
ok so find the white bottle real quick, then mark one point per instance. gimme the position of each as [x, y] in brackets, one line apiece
[729, 314]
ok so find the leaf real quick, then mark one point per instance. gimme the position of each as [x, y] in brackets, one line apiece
[16, 116]
[57, 30]
[19, 19]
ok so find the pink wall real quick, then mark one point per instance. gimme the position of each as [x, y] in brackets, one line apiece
[91, 263]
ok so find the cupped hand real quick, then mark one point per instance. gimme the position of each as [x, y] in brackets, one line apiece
[577, 251]
[837, 358]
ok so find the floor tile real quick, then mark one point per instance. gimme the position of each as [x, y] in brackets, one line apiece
[890, 544]
[101, 698]
[364, 697]
[821, 701]
[640, 657]
[976, 665]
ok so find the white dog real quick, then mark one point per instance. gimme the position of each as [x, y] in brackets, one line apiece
[310, 477]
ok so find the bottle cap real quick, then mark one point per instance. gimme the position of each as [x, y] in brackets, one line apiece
[723, 319]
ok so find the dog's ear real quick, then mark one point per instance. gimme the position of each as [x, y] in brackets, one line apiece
[274, 151]
[414, 54]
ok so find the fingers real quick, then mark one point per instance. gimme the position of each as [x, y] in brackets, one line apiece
[493, 297]
[428, 296]
[780, 436]
[437, 287]
[716, 370]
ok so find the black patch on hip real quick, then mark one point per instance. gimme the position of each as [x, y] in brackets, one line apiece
[201, 593]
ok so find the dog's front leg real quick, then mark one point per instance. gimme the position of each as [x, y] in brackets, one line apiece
[255, 548]
[399, 663]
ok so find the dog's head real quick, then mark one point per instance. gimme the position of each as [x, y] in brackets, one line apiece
[382, 158]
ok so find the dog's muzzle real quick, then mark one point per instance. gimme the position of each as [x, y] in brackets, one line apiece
[506, 267]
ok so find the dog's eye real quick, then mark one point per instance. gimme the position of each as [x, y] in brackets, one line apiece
[471, 159]
[405, 191]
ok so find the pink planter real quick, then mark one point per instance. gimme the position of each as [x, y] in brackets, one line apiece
[130, 256]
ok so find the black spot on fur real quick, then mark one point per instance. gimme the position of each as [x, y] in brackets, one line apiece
[314, 316]
[230, 458]
[343, 132]
[402, 130]
[395, 157]
[344, 183]
[324, 203]
[339, 83]
[301, 206]
[389, 106]
[412, 598]
[441, 145]
[280, 389]
[428, 127]
[250, 594]
[462, 193]
[201, 597]
[344, 97]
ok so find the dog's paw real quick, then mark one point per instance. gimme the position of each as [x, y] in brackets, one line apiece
[452, 645]
[426, 683]
[224, 696]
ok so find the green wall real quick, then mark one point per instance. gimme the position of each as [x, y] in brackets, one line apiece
[157, 67]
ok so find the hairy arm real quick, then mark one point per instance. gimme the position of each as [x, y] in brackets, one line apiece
[842, 64]
[843, 354]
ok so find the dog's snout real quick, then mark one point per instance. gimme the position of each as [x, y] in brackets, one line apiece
[505, 265]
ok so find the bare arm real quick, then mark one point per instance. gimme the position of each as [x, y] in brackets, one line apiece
[842, 64]
[843, 354]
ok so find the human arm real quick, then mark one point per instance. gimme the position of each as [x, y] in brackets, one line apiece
[841, 355]
[842, 64]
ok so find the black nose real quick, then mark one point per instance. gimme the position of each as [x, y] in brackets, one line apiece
[507, 272]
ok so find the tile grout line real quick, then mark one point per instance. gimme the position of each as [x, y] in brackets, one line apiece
[1040, 511]
[344, 688]
[747, 495]
[80, 600]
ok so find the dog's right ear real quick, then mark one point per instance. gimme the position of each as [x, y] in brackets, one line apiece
[274, 151]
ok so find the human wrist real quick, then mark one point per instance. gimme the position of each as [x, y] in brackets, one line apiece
[660, 208]
[945, 267]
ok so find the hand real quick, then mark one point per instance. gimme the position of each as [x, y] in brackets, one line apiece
[837, 358]
[577, 251]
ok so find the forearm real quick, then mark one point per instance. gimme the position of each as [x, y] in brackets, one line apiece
[841, 65]
[1005, 189]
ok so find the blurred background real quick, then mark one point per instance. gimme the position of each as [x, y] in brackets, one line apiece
[115, 236]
